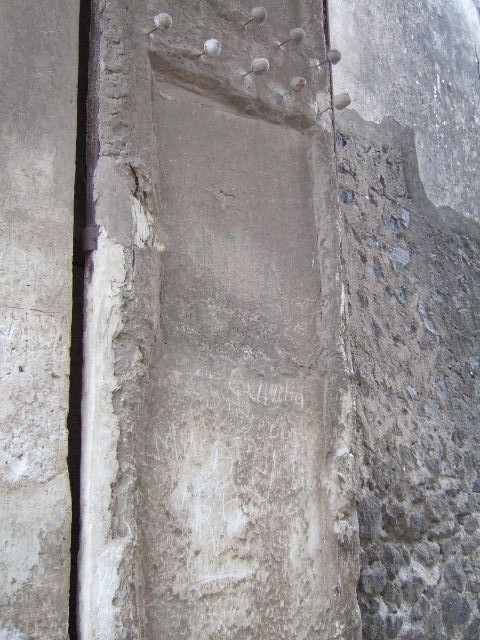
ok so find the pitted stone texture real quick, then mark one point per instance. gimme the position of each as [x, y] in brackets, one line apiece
[413, 338]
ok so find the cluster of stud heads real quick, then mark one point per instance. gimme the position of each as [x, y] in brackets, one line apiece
[212, 48]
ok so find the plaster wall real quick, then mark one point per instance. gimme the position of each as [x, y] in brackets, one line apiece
[213, 191]
[38, 71]
[217, 475]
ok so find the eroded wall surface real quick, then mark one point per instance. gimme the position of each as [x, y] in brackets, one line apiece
[38, 72]
[408, 190]
[217, 465]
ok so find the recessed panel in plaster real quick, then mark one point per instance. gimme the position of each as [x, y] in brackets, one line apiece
[233, 524]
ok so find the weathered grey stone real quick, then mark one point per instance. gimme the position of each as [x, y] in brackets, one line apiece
[392, 595]
[454, 575]
[374, 579]
[402, 256]
[405, 69]
[434, 624]
[375, 627]
[428, 552]
[470, 544]
[346, 196]
[412, 587]
[456, 610]
[392, 559]
[472, 632]
[474, 585]
[394, 624]
[443, 530]
[415, 632]
[38, 74]
[369, 510]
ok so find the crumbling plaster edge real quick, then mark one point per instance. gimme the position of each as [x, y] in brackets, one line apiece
[100, 556]
[340, 482]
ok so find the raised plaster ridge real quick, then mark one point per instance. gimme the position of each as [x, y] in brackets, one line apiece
[100, 554]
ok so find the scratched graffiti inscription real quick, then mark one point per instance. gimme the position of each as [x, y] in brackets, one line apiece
[256, 426]
[240, 447]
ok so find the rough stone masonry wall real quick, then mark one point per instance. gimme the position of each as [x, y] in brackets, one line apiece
[408, 190]
[412, 283]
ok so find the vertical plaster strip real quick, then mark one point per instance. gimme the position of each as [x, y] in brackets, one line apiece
[100, 555]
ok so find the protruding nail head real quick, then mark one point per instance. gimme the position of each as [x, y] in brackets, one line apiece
[341, 101]
[334, 56]
[296, 36]
[258, 15]
[211, 48]
[163, 21]
[259, 66]
[297, 84]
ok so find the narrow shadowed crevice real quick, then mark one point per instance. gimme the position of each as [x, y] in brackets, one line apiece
[326, 32]
[76, 349]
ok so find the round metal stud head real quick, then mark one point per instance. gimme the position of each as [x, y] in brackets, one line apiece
[212, 47]
[297, 35]
[163, 21]
[259, 66]
[259, 14]
[341, 101]
[298, 84]
[334, 56]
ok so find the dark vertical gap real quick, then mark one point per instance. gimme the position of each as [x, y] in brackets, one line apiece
[326, 31]
[76, 349]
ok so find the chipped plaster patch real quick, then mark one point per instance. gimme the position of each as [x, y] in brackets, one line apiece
[144, 231]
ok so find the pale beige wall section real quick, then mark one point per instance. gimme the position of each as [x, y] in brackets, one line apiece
[38, 75]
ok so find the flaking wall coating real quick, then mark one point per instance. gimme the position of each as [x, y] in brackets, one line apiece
[419, 64]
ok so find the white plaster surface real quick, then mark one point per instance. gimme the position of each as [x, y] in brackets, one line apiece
[100, 555]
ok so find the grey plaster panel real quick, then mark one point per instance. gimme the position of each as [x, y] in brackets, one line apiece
[419, 63]
[235, 529]
[267, 95]
[38, 72]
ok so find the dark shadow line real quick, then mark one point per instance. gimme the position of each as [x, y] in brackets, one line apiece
[76, 345]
